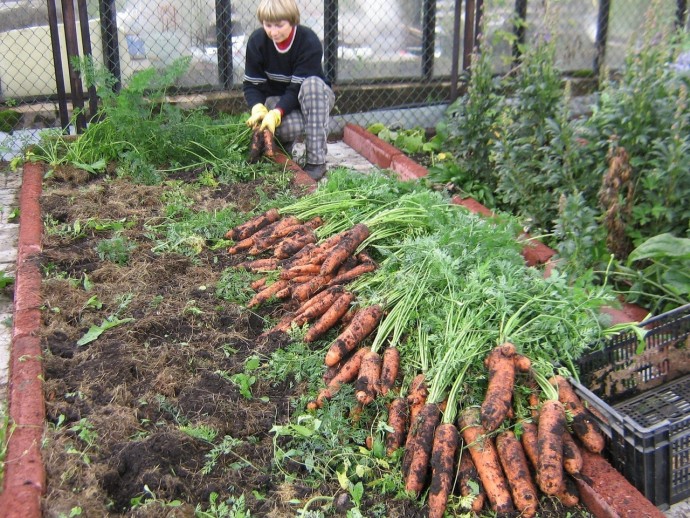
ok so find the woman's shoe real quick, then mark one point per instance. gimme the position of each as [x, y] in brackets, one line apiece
[315, 171]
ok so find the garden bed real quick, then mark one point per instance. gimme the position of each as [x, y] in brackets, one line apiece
[127, 413]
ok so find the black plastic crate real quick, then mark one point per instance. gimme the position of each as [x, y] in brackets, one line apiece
[639, 394]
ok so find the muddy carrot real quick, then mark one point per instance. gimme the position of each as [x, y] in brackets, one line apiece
[369, 376]
[445, 445]
[319, 303]
[353, 273]
[582, 424]
[572, 456]
[269, 149]
[301, 257]
[258, 284]
[522, 363]
[516, 469]
[422, 444]
[256, 148]
[363, 323]
[293, 244]
[397, 420]
[355, 237]
[284, 293]
[347, 374]
[267, 293]
[499, 394]
[305, 290]
[389, 369]
[468, 480]
[529, 439]
[550, 430]
[302, 269]
[485, 458]
[253, 225]
[417, 394]
[241, 246]
[569, 496]
[330, 317]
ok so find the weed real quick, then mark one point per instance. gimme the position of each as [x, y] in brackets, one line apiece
[201, 432]
[116, 249]
[231, 508]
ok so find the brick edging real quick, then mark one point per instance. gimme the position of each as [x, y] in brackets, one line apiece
[24, 481]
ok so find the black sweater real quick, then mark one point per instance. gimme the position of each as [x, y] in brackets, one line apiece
[269, 72]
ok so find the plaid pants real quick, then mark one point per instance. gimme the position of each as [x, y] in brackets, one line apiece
[316, 100]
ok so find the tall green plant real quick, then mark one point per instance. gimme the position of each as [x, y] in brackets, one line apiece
[646, 112]
[468, 131]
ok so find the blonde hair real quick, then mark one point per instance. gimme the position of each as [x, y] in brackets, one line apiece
[278, 10]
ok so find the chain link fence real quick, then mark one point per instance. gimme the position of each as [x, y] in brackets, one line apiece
[402, 60]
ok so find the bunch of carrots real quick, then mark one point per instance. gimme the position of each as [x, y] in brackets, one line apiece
[513, 460]
[320, 268]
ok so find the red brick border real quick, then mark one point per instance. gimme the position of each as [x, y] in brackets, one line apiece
[25, 478]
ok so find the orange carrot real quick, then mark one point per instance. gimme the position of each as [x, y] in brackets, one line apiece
[499, 394]
[550, 430]
[298, 270]
[529, 439]
[389, 369]
[468, 480]
[369, 376]
[346, 374]
[305, 290]
[353, 273]
[572, 456]
[293, 244]
[522, 363]
[397, 420]
[443, 451]
[416, 395]
[267, 293]
[304, 256]
[516, 470]
[330, 317]
[241, 246]
[582, 424]
[284, 293]
[258, 284]
[347, 246]
[253, 225]
[421, 446]
[569, 496]
[363, 323]
[319, 303]
[485, 458]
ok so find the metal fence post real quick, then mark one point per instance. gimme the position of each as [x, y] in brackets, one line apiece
[330, 39]
[111, 47]
[57, 65]
[428, 38]
[224, 42]
[70, 25]
[602, 35]
[468, 41]
[454, 66]
[86, 47]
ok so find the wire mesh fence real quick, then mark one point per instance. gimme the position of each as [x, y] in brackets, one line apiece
[386, 55]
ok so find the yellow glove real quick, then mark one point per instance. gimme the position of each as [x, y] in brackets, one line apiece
[271, 121]
[259, 111]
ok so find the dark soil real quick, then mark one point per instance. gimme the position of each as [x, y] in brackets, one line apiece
[119, 408]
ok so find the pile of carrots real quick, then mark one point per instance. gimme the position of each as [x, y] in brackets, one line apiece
[513, 458]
